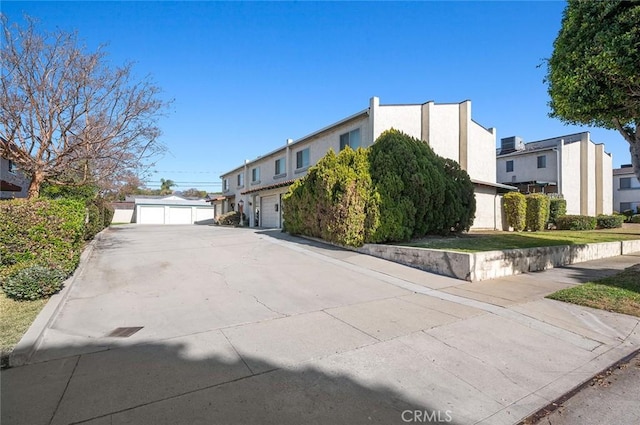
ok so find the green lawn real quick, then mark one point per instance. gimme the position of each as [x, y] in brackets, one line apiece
[489, 241]
[619, 293]
[15, 319]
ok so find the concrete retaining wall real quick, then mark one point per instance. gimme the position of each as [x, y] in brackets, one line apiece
[493, 264]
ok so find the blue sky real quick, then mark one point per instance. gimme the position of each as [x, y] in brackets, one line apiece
[245, 76]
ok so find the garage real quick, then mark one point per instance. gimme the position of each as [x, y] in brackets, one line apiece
[151, 214]
[172, 210]
[270, 211]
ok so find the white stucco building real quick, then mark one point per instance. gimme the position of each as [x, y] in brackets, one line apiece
[448, 128]
[626, 189]
[13, 182]
[573, 166]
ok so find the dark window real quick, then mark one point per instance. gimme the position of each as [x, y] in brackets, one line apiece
[255, 175]
[625, 183]
[302, 158]
[241, 180]
[351, 139]
[280, 163]
[509, 166]
[624, 206]
[12, 167]
[542, 161]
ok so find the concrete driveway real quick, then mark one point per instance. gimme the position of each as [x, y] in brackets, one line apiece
[210, 325]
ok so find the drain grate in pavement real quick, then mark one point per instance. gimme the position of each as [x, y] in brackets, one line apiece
[124, 332]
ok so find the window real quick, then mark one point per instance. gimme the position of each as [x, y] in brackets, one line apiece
[280, 165]
[302, 158]
[624, 206]
[625, 183]
[351, 139]
[510, 166]
[12, 167]
[255, 175]
[225, 185]
[542, 161]
[240, 179]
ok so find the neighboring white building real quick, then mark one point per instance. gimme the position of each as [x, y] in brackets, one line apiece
[13, 182]
[626, 189]
[448, 128]
[573, 166]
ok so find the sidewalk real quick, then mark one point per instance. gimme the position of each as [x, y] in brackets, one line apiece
[240, 327]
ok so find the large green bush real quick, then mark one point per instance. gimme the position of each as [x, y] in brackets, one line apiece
[34, 282]
[515, 210]
[557, 208]
[609, 221]
[393, 191]
[232, 218]
[42, 232]
[420, 192]
[335, 201]
[576, 222]
[99, 215]
[537, 211]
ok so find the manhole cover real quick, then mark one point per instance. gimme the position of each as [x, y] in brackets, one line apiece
[124, 332]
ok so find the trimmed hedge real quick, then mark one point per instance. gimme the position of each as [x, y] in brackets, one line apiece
[537, 211]
[41, 232]
[515, 209]
[99, 215]
[557, 208]
[635, 218]
[609, 221]
[576, 222]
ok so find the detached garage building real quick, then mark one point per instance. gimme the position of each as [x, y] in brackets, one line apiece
[173, 210]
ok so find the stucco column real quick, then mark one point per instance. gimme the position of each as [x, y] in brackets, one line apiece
[464, 121]
[426, 118]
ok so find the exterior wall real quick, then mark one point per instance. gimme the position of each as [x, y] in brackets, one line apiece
[443, 130]
[571, 177]
[488, 209]
[406, 118]
[16, 177]
[481, 163]
[630, 195]
[122, 216]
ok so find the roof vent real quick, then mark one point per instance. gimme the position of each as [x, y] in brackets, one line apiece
[511, 144]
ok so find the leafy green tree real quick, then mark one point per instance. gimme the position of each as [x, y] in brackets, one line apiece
[593, 74]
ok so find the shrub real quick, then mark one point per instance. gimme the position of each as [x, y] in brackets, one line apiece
[515, 209]
[635, 218]
[33, 282]
[43, 232]
[537, 211]
[609, 221]
[232, 218]
[576, 222]
[99, 216]
[420, 192]
[557, 208]
[628, 214]
[335, 201]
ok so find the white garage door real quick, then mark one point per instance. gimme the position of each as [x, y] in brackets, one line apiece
[151, 215]
[270, 217]
[179, 215]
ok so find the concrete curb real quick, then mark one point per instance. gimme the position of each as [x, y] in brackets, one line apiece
[30, 341]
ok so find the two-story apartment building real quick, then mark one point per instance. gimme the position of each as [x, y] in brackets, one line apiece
[258, 185]
[573, 166]
[626, 189]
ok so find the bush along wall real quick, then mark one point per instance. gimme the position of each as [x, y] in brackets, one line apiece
[394, 191]
[515, 209]
[576, 222]
[537, 211]
[557, 208]
[37, 235]
[609, 221]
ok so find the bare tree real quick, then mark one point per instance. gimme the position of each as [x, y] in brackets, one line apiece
[66, 117]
